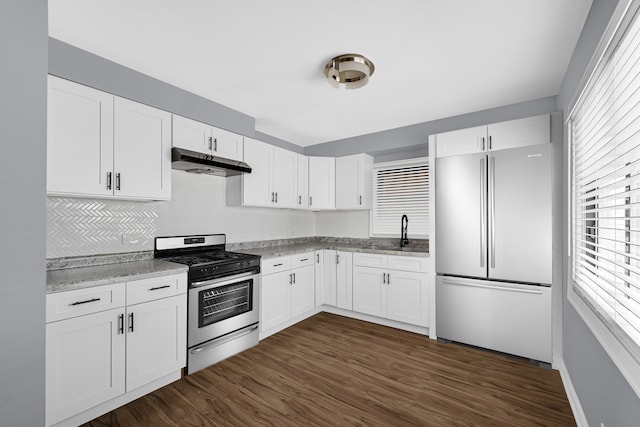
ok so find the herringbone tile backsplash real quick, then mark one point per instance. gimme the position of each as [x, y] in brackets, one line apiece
[77, 227]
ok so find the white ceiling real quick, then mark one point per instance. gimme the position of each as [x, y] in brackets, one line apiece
[433, 58]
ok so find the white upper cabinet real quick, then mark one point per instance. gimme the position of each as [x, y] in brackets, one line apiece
[353, 182]
[204, 138]
[256, 186]
[285, 178]
[464, 141]
[99, 145]
[322, 183]
[142, 147]
[303, 182]
[79, 139]
[497, 136]
[272, 181]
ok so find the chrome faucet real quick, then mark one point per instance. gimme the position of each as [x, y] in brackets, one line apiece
[404, 222]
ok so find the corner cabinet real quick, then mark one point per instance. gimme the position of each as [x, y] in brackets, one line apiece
[322, 183]
[353, 182]
[272, 181]
[204, 138]
[101, 145]
[105, 343]
[497, 136]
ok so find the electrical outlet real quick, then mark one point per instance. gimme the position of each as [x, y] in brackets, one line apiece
[131, 239]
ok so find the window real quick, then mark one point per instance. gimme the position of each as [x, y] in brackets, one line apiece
[605, 144]
[400, 188]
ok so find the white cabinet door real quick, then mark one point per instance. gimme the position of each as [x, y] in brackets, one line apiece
[319, 276]
[322, 183]
[464, 141]
[156, 339]
[302, 290]
[329, 291]
[519, 133]
[303, 182]
[85, 363]
[79, 139]
[370, 291]
[142, 147]
[191, 134]
[227, 144]
[257, 185]
[353, 182]
[344, 280]
[285, 174]
[406, 297]
[275, 300]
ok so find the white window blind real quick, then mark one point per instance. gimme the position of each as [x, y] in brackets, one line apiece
[400, 188]
[605, 135]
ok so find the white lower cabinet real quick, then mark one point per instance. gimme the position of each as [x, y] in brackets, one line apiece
[397, 292]
[344, 280]
[287, 290]
[98, 348]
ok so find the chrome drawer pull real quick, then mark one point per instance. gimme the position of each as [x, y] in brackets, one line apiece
[85, 302]
[159, 287]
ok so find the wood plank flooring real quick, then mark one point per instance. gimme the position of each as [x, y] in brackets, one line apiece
[334, 371]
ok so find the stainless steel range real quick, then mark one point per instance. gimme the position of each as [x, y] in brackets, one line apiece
[223, 296]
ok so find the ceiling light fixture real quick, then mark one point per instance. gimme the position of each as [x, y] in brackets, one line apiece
[349, 70]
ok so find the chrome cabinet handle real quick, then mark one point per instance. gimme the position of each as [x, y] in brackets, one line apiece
[118, 181]
[290, 278]
[108, 180]
[276, 197]
[215, 144]
[304, 259]
[159, 287]
[318, 258]
[310, 201]
[130, 322]
[384, 278]
[490, 145]
[294, 277]
[360, 199]
[210, 143]
[278, 265]
[337, 259]
[273, 197]
[483, 143]
[299, 200]
[85, 301]
[388, 278]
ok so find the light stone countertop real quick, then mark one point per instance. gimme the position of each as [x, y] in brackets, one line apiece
[283, 250]
[86, 277]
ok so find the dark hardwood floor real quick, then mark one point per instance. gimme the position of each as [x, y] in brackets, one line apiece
[330, 370]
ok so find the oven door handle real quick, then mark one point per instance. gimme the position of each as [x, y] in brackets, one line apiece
[224, 339]
[221, 280]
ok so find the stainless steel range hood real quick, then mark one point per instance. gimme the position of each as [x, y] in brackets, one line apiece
[194, 162]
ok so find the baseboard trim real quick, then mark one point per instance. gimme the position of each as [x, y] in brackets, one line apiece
[574, 401]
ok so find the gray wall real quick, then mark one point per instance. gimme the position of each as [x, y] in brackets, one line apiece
[23, 79]
[604, 394]
[411, 141]
[75, 64]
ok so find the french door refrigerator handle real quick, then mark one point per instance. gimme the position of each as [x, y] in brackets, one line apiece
[492, 211]
[483, 211]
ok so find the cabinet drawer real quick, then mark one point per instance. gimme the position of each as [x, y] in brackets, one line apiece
[370, 260]
[301, 260]
[65, 305]
[155, 288]
[274, 265]
[407, 263]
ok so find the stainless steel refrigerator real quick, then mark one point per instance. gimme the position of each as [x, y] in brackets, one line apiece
[493, 250]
